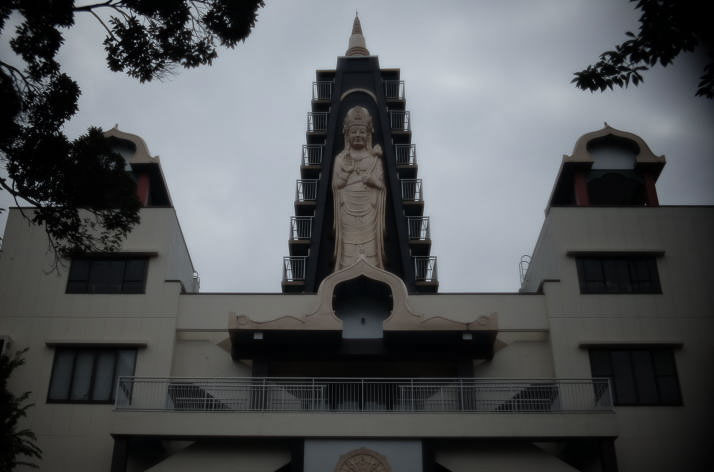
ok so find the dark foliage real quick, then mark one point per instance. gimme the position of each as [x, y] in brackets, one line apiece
[667, 28]
[19, 446]
[80, 188]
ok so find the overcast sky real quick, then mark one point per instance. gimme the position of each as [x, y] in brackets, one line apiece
[493, 111]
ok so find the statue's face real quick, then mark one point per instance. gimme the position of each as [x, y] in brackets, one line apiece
[357, 135]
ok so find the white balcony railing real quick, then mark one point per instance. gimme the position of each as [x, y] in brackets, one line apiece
[419, 228]
[317, 121]
[399, 120]
[300, 227]
[294, 268]
[405, 154]
[365, 395]
[311, 154]
[412, 190]
[425, 269]
[322, 90]
[394, 89]
[306, 190]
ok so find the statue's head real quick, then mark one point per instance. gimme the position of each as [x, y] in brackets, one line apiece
[357, 128]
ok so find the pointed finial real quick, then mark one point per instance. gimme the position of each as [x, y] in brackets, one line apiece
[357, 45]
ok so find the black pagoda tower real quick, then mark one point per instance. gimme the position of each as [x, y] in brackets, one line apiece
[358, 80]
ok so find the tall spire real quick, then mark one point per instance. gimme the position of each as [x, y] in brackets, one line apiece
[357, 45]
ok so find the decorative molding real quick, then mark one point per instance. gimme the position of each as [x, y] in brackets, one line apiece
[141, 154]
[582, 155]
[402, 317]
[355, 90]
[363, 460]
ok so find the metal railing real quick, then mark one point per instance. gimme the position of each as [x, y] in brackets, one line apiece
[399, 120]
[419, 228]
[425, 269]
[322, 90]
[363, 395]
[406, 154]
[412, 190]
[523, 266]
[317, 121]
[306, 190]
[300, 227]
[312, 154]
[394, 89]
[294, 268]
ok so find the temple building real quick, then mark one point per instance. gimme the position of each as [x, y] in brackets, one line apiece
[360, 364]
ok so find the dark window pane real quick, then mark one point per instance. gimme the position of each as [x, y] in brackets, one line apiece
[103, 376]
[135, 270]
[617, 278]
[621, 274]
[625, 392]
[125, 362]
[89, 375]
[82, 378]
[592, 270]
[600, 363]
[669, 390]
[663, 362]
[79, 270]
[61, 375]
[645, 377]
[106, 276]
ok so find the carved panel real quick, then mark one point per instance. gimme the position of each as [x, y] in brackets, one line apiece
[363, 460]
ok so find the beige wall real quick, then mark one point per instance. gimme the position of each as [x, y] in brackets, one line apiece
[651, 438]
[35, 311]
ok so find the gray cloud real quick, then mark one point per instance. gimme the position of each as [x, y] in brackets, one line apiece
[493, 112]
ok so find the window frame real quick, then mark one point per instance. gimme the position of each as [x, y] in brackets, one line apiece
[96, 351]
[623, 263]
[92, 259]
[633, 373]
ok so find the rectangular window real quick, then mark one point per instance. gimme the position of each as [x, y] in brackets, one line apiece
[107, 275]
[88, 375]
[638, 376]
[618, 274]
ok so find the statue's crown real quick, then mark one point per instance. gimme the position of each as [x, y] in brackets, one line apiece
[357, 116]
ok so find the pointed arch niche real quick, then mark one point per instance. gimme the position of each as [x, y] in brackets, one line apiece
[362, 304]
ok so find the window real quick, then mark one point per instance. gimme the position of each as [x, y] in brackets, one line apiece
[618, 274]
[88, 375]
[107, 275]
[638, 376]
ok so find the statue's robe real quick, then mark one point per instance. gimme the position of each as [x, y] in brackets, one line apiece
[359, 209]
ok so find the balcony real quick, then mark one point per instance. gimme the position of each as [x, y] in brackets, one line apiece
[317, 121]
[399, 121]
[412, 190]
[374, 407]
[425, 270]
[322, 90]
[306, 190]
[394, 89]
[363, 395]
[419, 228]
[294, 269]
[300, 228]
[405, 155]
[312, 155]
